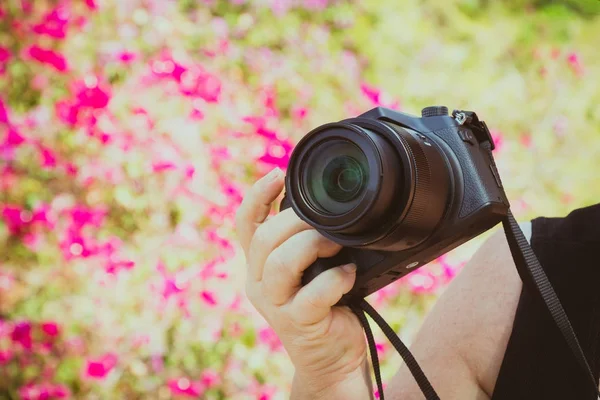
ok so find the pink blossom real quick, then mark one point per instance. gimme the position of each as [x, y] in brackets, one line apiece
[54, 24]
[93, 97]
[13, 138]
[372, 93]
[48, 159]
[224, 244]
[210, 378]
[49, 57]
[51, 328]
[92, 5]
[200, 84]
[185, 387]
[299, 113]
[268, 337]
[3, 113]
[101, 367]
[44, 391]
[162, 166]
[219, 154]
[82, 215]
[18, 219]
[74, 245]
[27, 6]
[170, 288]
[277, 154]
[157, 363]
[377, 395]
[498, 139]
[5, 356]
[21, 334]
[67, 112]
[525, 140]
[5, 56]
[114, 267]
[575, 63]
[127, 57]
[422, 281]
[2, 12]
[208, 297]
[167, 68]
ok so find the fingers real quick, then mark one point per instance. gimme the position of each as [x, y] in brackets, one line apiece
[313, 302]
[284, 266]
[270, 235]
[256, 206]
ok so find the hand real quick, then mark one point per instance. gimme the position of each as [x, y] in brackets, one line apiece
[325, 343]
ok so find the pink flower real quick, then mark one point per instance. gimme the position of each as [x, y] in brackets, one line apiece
[114, 267]
[422, 281]
[48, 159]
[54, 24]
[44, 391]
[13, 138]
[575, 63]
[5, 56]
[21, 334]
[208, 297]
[15, 218]
[299, 113]
[5, 356]
[51, 328]
[372, 93]
[91, 4]
[277, 153]
[498, 139]
[48, 57]
[127, 57]
[82, 215]
[3, 113]
[185, 387]
[163, 166]
[200, 84]
[157, 363]
[93, 97]
[210, 378]
[101, 367]
[268, 337]
[67, 112]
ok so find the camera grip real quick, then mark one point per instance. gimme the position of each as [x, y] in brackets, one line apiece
[323, 264]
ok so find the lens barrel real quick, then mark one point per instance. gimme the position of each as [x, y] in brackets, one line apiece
[367, 183]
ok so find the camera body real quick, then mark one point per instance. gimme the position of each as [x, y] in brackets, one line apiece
[395, 190]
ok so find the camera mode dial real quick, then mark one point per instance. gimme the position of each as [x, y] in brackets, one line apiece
[434, 111]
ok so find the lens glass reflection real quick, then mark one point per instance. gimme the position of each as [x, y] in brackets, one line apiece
[335, 176]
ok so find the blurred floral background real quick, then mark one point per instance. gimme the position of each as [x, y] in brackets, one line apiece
[130, 130]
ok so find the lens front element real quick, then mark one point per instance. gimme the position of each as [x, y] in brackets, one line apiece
[336, 176]
[343, 178]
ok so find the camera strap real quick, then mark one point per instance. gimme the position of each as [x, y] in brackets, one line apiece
[534, 279]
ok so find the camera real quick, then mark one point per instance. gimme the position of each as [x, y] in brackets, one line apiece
[395, 190]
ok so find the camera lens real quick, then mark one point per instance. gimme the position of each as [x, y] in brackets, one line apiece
[369, 184]
[335, 176]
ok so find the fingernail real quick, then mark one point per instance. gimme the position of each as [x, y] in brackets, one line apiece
[273, 175]
[349, 268]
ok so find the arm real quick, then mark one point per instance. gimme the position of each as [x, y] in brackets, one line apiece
[461, 344]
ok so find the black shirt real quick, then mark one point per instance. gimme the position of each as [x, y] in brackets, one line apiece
[538, 363]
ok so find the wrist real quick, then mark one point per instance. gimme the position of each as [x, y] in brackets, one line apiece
[349, 386]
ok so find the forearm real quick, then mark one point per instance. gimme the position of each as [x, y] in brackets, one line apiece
[356, 385]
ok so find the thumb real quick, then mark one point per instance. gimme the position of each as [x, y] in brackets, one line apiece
[313, 302]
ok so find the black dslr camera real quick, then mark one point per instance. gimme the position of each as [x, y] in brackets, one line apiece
[397, 191]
